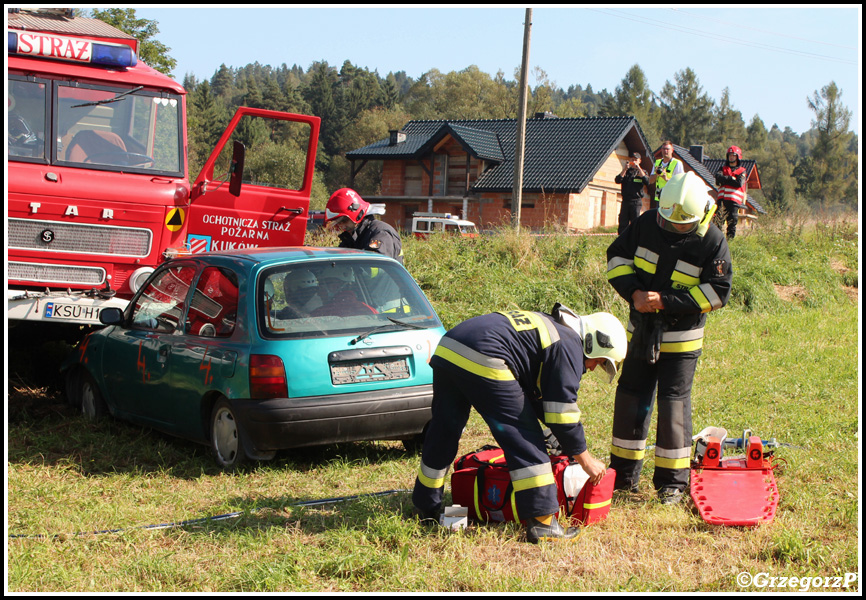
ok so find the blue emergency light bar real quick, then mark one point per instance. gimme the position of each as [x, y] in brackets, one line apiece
[80, 50]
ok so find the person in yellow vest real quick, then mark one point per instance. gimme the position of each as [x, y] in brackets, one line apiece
[665, 168]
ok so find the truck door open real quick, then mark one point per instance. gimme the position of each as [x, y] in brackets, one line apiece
[274, 200]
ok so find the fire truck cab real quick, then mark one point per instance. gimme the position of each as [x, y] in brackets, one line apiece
[99, 191]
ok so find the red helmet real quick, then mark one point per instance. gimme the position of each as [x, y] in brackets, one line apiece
[346, 202]
[736, 150]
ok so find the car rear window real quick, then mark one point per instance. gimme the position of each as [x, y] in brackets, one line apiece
[339, 297]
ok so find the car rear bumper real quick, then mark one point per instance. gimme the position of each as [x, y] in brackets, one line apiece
[281, 423]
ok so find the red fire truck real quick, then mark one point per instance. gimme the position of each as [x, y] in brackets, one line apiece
[98, 180]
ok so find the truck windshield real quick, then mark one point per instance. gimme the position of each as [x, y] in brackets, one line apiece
[95, 127]
[118, 129]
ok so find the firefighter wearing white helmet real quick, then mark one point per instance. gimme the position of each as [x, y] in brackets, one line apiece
[514, 368]
[672, 266]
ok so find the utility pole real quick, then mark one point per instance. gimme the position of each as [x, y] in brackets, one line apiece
[517, 190]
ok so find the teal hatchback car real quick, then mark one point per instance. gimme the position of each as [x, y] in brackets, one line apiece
[259, 350]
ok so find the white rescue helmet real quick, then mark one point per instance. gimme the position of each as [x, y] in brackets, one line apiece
[684, 200]
[601, 333]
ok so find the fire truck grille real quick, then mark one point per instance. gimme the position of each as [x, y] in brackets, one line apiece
[79, 238]
[56, 273]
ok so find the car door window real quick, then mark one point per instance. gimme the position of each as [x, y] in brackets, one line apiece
[161, 304]
[214, 307]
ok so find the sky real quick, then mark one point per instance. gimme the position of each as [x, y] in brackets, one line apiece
[772, 59]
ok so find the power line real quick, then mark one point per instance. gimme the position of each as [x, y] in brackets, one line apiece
[741, 26]
[718, 37]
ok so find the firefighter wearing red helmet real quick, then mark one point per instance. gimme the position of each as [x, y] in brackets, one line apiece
[350, 214]
[731, 179]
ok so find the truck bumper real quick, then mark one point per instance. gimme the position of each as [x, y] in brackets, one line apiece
[53, 307]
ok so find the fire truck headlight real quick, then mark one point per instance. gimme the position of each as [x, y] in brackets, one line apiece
[138, 277]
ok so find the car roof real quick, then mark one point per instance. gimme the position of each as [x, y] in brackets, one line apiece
[290, 254]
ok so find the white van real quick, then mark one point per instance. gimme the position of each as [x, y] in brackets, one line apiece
[423, 224]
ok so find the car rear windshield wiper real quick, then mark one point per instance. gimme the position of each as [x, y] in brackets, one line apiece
[402, 324]
[109, 100]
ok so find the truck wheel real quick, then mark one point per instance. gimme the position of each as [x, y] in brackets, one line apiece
[225, 439]
[93, 406]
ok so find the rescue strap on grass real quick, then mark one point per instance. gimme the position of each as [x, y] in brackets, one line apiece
[224, 517]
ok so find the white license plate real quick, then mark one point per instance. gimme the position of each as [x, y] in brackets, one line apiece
[58, 311]
[368, 371]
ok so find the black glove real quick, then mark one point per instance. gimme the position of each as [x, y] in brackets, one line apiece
[553, 447]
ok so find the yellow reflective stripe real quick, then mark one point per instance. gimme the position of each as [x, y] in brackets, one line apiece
[627, 454]
[475, 499]
[431, 479]
[682, 346]
[561, 413]
[589, 506]
[706, 297]
[514, 507]
[528, 483]
[703, 302]
[524, 321]
[620, 271]
[644, 265]
[672, 463]
[688, 280]
[473, 367]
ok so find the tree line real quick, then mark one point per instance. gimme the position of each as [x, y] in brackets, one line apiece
[816, 169]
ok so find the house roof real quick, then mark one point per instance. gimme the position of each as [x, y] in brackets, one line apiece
[561, 155]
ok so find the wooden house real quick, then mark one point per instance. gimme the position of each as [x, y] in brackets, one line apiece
[466, 167]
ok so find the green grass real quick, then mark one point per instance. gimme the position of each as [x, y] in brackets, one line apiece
[781, 359]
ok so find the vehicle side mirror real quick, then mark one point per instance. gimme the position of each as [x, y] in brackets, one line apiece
[236, 171]
[111, 316]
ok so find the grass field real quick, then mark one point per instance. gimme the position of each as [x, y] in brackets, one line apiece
[781, 359]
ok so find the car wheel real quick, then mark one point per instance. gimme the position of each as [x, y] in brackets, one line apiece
[414, 444]
[225, 439]
[93, 406]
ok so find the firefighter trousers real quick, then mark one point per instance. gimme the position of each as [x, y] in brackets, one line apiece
[672, 376]
[514, 424]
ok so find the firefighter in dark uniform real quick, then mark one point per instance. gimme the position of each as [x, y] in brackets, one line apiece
[632, 180]
[349, 214]
[515, 368]
[673, 266]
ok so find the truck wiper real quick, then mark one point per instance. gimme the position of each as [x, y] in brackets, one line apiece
[402, 324]
[109, 100]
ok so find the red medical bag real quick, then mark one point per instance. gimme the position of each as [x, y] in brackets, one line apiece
[481, 482]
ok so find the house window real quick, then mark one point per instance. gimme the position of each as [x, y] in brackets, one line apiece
[506, 204]
[412, 181]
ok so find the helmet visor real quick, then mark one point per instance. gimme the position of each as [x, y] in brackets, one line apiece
[681, 228]
[609, 368]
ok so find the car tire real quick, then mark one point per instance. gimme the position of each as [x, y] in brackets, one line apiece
[92, 404]
[225, 438]
[414, 444]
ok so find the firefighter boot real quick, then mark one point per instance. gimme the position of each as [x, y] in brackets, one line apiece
[537, 530]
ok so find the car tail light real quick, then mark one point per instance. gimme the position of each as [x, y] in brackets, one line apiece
[267, 377]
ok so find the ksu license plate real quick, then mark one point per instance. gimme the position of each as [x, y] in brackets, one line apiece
[386, 369]
[58, 311]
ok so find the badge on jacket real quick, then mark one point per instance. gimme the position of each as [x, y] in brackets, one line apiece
[374, 244]
[719, 266]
